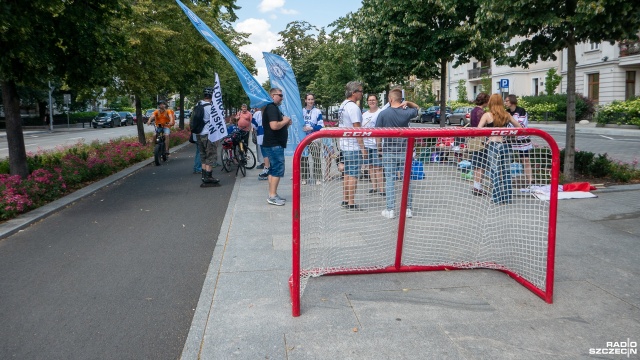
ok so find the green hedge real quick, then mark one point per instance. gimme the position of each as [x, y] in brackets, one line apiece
[554, 107]
[620, 112]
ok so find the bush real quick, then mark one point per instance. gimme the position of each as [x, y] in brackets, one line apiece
[58, 172]
[554, 107]
[620, 112]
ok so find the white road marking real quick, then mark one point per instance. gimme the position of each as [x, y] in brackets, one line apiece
[606, 137]
[75, 138]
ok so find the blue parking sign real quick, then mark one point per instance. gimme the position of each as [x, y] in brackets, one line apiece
[504, 83]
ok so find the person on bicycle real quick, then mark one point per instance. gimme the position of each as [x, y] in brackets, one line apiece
[243, 121]
[164, 119]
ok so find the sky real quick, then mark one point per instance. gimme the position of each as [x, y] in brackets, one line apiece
[263, 19]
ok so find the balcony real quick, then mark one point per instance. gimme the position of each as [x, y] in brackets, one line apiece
[479, 72]
[628, 48]
[629, 53]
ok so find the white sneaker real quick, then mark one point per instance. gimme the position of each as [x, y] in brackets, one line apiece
[409, 213]
[388, 214]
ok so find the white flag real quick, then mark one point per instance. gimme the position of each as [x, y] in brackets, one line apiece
[217, 127]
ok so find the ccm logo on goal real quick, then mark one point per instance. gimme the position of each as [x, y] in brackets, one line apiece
[504, 132]
[356, 133]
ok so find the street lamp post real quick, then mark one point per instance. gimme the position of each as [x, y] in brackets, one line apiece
[50, 108]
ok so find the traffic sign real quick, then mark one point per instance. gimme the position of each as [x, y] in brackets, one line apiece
[504, 83]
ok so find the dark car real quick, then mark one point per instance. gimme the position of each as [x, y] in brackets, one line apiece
[460, 116]
[106, 119]
[126, 118]
[432, 114]
[147, 115]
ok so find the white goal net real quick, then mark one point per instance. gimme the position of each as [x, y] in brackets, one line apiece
[452, 205]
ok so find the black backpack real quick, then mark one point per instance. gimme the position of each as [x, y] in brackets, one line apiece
[196, 122]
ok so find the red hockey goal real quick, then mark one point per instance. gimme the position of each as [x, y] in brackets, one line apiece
[436, 221]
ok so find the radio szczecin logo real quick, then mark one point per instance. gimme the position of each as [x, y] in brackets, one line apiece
[627, 348]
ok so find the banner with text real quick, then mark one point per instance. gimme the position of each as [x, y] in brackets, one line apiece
[281, 76]
[217, 126]
[258, 96]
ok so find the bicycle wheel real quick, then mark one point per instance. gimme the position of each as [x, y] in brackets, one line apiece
[226, 160]
[251, 159]
[242, 161]
[158, 151]
[164, 153]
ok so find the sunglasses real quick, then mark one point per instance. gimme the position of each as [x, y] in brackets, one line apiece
[279, 95]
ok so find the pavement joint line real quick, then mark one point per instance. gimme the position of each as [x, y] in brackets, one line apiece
[27, 219]
[195, 339]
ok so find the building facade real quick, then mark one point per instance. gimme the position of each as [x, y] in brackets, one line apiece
[605, 72]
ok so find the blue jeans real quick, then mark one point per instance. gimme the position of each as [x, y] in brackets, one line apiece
[392, 162]
[500, 172]
[197, 163]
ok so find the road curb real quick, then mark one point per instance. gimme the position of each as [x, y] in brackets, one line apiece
[25, 220]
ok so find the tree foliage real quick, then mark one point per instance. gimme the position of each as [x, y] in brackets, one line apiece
[551, 81]
[548, 27]
[71, 42]
[395, 42]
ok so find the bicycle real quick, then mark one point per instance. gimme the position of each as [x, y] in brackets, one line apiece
[159, 151]
[236, 151]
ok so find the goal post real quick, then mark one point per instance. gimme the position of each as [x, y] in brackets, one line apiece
[441, 201]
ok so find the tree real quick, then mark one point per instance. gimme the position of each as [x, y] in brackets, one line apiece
[485, 82]
[549, 27]
[396, 42]
[551, 81]
[335, 56]
[462, 91]
[71, 41]
[298, 44]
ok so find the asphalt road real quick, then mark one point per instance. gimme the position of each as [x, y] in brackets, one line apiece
[118, 274]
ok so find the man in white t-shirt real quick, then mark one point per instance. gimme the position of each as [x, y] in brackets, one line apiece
[353, 149]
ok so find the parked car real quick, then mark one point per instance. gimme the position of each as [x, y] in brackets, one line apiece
[417, 118]
[126, 118]
[147, 115]
[106, 119]
[432, 114]
[460, 116]
[187, 114]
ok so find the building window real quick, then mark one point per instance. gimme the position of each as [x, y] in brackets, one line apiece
[594, 46]
[630, 85]
[594, 87]
[536, 89]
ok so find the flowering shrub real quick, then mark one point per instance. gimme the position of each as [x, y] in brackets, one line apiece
[57, 172]
[620, 112]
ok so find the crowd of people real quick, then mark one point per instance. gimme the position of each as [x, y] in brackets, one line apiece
[382, 158]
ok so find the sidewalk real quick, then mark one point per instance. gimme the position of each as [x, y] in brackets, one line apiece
[244, 310]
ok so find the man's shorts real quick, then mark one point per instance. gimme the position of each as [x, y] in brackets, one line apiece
[166, 130]
[479, 159]
[276, 160]
[208, 150]
[352, 163]
[373, 158]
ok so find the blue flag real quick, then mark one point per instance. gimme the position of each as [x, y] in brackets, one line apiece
[281, 76]
[258, 97]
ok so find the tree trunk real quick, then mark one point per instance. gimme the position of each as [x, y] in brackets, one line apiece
[181, 125]
[140, 121]
[570, 147]
[443, 93]
[15, 137]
